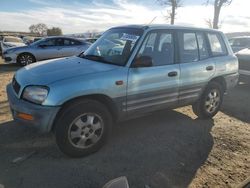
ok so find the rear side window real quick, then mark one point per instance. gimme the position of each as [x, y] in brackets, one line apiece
[188, 47]
[203, 49]
[218, 47]
[69, 42]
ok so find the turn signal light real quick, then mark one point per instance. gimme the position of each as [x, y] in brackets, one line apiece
[25, 116]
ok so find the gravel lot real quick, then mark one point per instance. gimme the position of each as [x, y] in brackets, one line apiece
[170, 148]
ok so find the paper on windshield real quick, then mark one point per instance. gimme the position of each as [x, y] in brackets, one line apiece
[129, 37]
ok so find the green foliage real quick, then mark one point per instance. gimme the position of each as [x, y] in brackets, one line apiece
[54, 31]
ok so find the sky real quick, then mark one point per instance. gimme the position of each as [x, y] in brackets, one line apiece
[78, 16]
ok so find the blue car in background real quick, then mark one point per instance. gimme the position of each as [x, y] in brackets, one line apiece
[47, 48]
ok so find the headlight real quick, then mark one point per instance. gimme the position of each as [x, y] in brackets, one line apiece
[35, 94]
[9, 51]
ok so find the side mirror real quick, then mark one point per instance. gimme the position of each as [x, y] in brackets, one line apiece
[143, 61]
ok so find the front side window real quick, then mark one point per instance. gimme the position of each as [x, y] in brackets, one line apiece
[48, 42]
[217, 45]
[115, 46]
[60, 42]
[158, 45]
[188, 47]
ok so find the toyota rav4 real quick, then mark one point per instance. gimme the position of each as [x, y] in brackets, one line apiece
[128, 72]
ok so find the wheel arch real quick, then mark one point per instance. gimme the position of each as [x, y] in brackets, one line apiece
[104, 99]
[26, 53]
[221, 80]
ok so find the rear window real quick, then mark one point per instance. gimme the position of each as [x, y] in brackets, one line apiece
[188, 47]
[218, 47]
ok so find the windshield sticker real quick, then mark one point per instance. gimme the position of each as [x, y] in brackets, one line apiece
[129, 37]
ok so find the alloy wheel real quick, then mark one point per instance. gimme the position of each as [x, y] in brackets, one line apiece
[85, 130]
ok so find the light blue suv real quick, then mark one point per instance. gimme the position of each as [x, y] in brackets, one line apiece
[128, 72]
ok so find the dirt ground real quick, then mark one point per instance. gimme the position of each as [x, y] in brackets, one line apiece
[171, 148]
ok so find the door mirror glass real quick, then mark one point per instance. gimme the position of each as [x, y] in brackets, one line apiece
[143, 61]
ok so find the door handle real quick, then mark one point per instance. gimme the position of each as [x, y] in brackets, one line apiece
[172, 74]
[209, 68]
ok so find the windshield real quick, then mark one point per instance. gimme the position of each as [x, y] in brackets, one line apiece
[114, 46]
[12, 39]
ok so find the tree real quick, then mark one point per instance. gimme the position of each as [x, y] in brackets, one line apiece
[174, 4]
[218, 4]
[54, 31]
[39, 29]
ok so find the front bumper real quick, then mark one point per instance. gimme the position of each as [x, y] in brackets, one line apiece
[9, 58]
[43, 116]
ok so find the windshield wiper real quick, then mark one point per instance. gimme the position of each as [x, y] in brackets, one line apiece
[95, 58]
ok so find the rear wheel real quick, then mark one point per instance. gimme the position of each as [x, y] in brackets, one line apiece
[83, 128]
[210, 102]
[25, 59]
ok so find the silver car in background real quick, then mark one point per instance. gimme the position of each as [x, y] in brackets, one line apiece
[10, 42]
[47, 48]
[239, 43]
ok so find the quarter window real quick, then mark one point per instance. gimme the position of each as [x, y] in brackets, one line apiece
[217, 45]
[159, 46]
[188, 47]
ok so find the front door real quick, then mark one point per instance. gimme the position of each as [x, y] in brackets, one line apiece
[155, 87]
[47, 49]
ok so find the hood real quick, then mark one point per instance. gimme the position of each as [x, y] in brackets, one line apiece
[13, 44]
[46, 72]
[17, 48]
[245, 51]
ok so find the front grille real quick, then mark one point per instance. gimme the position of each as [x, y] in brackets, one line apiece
[7, 59]
[15, 86]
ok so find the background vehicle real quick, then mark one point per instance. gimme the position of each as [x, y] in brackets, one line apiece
[9, 42]
[244, 64]
[29, 40]
[239, 43]
[91, 40]
[129, 72]
[1, 39]
[47, 48]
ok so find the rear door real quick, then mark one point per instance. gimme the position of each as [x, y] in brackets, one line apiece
[155, 87]
[70, 47]
[196, 66]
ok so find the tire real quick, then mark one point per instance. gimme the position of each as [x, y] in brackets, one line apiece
[25, 59]
[83, 128]
[210, 101]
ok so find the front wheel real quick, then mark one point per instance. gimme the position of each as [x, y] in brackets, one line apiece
[210, 102]
[83, 128]
[25, 59]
